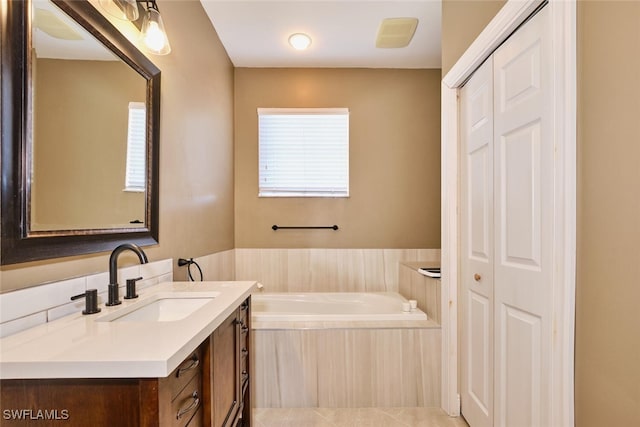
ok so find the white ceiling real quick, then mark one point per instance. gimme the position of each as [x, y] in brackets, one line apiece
[82, 44]
[255, 32]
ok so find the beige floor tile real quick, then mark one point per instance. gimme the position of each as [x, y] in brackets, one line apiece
[342, 417]
[355, 417]
[374, 417]
[290, 417]
[425, 417]
[270, 415]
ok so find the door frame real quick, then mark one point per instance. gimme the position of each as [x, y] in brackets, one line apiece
[563, 27]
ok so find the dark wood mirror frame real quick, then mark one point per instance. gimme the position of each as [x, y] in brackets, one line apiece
[18, 244]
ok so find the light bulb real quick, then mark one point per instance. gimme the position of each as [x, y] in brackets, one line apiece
[153, 34]
[154, 37]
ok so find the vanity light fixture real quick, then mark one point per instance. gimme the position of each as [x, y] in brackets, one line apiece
[299, 41]
[121, 9]
[152, 33]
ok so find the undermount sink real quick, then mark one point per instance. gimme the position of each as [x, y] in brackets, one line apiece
[164, 307]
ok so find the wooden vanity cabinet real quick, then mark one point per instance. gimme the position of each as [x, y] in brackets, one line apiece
[172, 401]
[209, 388]
[229, 371]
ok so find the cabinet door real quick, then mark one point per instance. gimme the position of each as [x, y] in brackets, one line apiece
[81, 402]
[225, 366]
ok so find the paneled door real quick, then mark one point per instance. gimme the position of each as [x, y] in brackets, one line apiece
[524, 209]
[476, 297]
[507, 190]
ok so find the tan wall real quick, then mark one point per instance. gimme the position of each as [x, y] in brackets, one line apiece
[394, 159]
[608, 295]
[608, 263]
[80, 154]
[462, 21]
[196, 153]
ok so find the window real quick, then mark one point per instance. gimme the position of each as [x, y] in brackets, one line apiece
[303, 152]
[136, 143]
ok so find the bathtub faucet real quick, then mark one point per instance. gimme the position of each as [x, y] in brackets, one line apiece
[113, 296]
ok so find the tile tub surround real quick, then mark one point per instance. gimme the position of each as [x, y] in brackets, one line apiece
[218, 266]
[26, 308]
[425, 290]
[327, 270]
[347, 367]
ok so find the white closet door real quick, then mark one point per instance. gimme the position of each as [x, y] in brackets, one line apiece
[523, 166]
[476, 298]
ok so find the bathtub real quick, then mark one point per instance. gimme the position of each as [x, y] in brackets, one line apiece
[331, 306]
[344, 349]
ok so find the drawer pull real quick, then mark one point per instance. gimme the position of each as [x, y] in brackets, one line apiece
[194, 363]
[244, 306]
[194, 404]
[245, 351]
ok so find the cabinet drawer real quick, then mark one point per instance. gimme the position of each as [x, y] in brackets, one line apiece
[198, 419]
[187, 403]
[191, 366]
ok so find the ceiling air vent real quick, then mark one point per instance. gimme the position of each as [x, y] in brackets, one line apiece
[48, 22]
[396, 32]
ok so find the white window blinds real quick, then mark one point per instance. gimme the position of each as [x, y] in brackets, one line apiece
[136, 144]
[303, 152]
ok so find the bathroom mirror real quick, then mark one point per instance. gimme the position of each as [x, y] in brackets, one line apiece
[78, 100]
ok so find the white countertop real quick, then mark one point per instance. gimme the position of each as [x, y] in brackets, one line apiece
[79, 346]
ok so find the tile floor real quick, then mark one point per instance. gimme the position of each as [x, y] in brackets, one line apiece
[354, 417]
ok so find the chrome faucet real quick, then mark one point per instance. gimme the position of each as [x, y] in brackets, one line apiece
[114, 298]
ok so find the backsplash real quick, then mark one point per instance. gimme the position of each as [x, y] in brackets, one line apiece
[26, 308]
[327, 270]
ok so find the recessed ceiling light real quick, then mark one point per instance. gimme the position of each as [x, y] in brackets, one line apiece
[299, 41]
